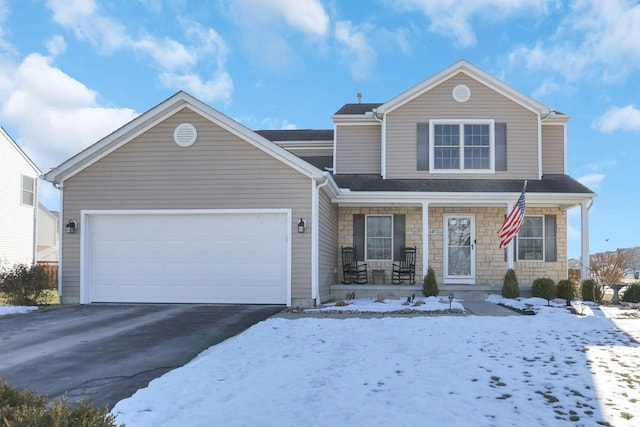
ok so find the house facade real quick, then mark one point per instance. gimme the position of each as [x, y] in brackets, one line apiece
[18, 203]
[183, 204]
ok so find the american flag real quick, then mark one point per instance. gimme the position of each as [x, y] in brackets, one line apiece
[513, 221]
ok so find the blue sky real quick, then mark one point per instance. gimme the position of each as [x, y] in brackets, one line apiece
[72, 71]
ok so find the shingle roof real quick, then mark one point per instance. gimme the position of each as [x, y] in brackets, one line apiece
[321, 162]
[297, 134]
[548, 184]
[360, 108]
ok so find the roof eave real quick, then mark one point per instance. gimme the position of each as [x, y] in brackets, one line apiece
[565, 200]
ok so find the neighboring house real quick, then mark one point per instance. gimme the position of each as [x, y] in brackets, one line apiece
[18, 203]
[48, 235]
[184, 204]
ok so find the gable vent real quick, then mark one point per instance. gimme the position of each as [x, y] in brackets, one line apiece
[461, 93]
[185, 134]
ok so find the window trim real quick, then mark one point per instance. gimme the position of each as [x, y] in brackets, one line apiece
[31, 191]
[543, 237]
[366, 237]
[461, 123]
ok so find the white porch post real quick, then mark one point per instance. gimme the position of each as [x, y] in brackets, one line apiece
[425, 238]
[510, 245]
[584, 240]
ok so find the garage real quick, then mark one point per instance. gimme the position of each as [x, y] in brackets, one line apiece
[219, 256]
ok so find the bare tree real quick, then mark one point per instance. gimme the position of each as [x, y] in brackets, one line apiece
[608, 267]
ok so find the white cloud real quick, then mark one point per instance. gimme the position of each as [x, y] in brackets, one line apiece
[592, 180]
[56, 45]
[619, 118]
[267, 25]
[176, 61]
[4, 14]
[357, 53]
[56, 116]
[452, 18]
[596, 39]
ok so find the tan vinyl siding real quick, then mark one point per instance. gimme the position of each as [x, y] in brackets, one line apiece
[220, 171]
[358, 149]
[553, 149]
[485, 103]
[328, 245]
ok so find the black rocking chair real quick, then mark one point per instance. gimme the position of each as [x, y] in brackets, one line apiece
[352, 270]
[405, 269]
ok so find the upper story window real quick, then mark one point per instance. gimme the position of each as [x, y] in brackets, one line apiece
[28, 190]
[461, 145]
[379, 237]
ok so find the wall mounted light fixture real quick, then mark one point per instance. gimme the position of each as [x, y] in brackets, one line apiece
[71, 226]
[302, 224]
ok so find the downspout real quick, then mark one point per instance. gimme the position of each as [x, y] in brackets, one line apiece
[34, 250]
[60, 237]
[383, 143]
[315, 237]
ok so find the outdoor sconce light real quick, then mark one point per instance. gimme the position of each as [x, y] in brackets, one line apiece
[450, 300]
[302, 224]
[70, 228]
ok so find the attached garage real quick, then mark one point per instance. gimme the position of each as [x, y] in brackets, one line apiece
[194, 256]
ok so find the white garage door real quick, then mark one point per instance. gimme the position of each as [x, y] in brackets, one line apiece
[228, 257]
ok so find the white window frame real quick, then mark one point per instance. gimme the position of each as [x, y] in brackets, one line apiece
[366, 237]
[32, 190]
[543, 237]
[461, 123]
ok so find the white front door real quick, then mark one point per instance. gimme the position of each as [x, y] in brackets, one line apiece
[459, 249]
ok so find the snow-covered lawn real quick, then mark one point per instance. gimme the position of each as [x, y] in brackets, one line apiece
[551, 369]
[13, 309]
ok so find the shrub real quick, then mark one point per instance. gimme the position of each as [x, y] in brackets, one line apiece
[632, 293]
[510, 288]
[566, 290]
[591, 290]
[430, 285]
[24, 284]
[26, 408]
[543, 287]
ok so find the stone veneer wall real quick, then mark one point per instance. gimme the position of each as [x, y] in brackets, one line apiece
[490, 259]
[413, 236]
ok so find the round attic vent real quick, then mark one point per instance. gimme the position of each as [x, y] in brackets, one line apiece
[461, 93]
[185, 134]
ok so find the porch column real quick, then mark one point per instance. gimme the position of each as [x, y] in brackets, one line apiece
[511, 243]
[425, 238]
[585, 265]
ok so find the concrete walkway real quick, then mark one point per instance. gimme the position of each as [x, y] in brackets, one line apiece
[484, 308]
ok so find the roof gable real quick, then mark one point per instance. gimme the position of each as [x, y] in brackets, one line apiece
[473, 72]
[5, 136]
[158, 114]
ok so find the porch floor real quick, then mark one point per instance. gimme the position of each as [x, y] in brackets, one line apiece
[404, 290]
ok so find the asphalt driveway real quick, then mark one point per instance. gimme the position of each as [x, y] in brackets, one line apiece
[105, 353]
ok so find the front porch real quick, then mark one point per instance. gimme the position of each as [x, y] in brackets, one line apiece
[402, 291]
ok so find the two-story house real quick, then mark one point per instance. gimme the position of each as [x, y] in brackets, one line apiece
[18, 203]
[184, 204]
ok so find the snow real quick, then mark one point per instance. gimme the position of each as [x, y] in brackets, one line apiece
[554, 368]
[15, 309]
